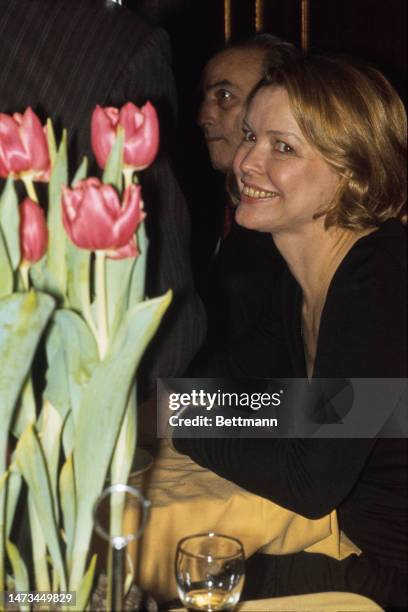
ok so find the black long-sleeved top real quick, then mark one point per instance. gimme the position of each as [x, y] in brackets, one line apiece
[362, 335]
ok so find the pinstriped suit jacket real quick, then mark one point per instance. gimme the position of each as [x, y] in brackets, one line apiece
[62, 57]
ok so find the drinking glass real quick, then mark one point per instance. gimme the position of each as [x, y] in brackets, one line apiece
[210, 569]
[119, 495]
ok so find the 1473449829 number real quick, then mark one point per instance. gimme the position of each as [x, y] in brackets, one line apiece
[39, 598]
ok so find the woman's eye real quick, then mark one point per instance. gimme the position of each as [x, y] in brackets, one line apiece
[248, 136]
[282, 147]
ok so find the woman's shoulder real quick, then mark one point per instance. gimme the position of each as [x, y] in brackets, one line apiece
[376, 262]
[363, 325]
[385, 248]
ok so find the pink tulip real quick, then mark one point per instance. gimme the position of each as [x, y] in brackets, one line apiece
[129, 250]
[33, 231]
[95, 219]
[23, 146]
[141, 127]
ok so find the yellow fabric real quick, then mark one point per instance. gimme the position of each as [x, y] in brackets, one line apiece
[316, 602]
[187, 499]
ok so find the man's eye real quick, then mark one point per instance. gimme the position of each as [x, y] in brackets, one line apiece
[282, 147]
[224, 95]
[248, 136]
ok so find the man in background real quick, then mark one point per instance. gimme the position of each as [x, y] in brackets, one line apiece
[246, 266]
[63, 57]
[228, 78]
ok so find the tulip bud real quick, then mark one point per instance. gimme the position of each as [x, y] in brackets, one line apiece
[33, 231]
[23, 146]
[95, 219]
[141, 126]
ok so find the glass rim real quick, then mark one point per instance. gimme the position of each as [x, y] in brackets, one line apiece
[120, 541]
[211, 534]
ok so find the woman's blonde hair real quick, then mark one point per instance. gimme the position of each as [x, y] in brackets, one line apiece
[356, 120]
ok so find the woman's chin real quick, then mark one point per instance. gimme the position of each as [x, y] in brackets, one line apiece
[247, 218]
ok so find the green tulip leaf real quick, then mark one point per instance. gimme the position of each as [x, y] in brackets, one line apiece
[118, 275]
[78, 263]
[19, 570]
[39, 548]
[57, 238]
[81, 172]
[10, 582]
[43, 280]
[122, 461]
[31, 463]
[3, 482]
[68, 433]
[25, 412]
[80, 355]
[68, 504]
[10, 483]
[10, 222]
[52, 144]
[84, 590]
[50, 435]
[102, 410]
[78, 279]
[13, 493]
[112, 175]
[126, 444]
[6, 272]
[137, 283]
[57, 389]
[23, 318]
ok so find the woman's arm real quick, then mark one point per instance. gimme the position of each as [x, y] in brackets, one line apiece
[308, 476]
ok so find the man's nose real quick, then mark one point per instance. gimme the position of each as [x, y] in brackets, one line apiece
[206, 114]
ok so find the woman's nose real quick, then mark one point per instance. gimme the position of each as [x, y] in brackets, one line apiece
[252, 161]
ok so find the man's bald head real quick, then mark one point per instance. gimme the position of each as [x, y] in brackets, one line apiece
[228, 78]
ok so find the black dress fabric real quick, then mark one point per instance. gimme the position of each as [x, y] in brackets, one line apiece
[362, 335]
[246, 270]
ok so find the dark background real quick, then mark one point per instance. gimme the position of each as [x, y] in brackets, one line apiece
[371, 30]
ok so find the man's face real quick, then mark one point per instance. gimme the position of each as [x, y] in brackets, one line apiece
[227, 80]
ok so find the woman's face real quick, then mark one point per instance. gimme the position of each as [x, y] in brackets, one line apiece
[282, 179]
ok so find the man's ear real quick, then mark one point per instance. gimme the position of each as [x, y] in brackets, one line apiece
[231, 186]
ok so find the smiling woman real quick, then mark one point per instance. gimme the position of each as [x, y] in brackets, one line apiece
[322, 168]
[354, 120]
[284, 181]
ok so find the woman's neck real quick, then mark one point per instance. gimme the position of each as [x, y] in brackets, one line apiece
[313, 257]
[314, 254]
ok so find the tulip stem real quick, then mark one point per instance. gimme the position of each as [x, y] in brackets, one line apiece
[128, 176]
[30, 189]
[86, 311]
[101, 303]
[24, 269]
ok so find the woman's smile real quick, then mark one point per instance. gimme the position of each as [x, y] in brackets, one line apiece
[251, 193]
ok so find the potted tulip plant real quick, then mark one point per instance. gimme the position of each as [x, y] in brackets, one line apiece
[74, 276]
